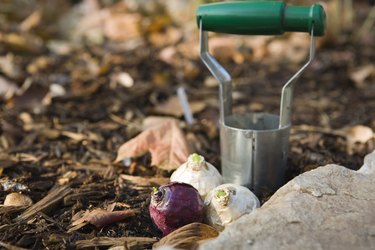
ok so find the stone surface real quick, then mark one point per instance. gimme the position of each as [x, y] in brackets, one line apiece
[331, 207]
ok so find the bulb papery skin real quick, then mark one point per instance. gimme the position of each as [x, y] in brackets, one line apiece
[180, 205]
[228, 202]
[200, 174]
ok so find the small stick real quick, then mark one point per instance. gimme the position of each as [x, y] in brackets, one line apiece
[185, 105]
[367, 24]
[313, 129]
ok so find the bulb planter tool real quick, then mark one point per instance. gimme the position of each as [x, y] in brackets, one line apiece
[254, 146]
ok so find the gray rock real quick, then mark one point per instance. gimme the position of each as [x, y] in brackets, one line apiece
[331, 207]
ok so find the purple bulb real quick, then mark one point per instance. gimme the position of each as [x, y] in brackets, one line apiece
[174, 205]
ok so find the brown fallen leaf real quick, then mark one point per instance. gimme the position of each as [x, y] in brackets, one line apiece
[188, 237]
[121, 27]
[152, 121]
[25, 42]
[169, 55]
[7, 89]
[145, 181]
[74, 136]
[31, 21]
[173, 107]
[10, 67]
[359, 75]
[165, 141]
[100, 217]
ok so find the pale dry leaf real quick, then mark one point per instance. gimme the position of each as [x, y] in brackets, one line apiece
[9, 67]
[124, 79]
[169, 55]
[152, 121]
[145, 181]
[361, 74]
[226, 49]
[100, 217]
[166, 143]
[173, 107]
[7, 89]
[31, 21]
[122, 27]
[74, 136]
[169, 37]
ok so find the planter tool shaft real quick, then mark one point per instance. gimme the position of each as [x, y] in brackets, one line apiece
[254, 146]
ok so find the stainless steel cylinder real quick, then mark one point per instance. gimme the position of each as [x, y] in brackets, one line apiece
[254, 151]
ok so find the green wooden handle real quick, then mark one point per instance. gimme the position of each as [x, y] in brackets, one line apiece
[261, 18]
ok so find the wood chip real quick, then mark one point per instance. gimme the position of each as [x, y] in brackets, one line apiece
[145, 181]
[129, 242]
[45, 204]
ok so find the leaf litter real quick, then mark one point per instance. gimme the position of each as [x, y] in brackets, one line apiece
[78, 81]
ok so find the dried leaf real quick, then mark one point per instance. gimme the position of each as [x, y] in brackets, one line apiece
[100, 217]
[26, 42]
[169, 37]
[152, 121]
[188, 237]
[223, 48]
[124, 79]
[165, 142]
[145, 181]
[361, 74]
[173, 107]
[122, 27]
[31, 21]
[169, 55]
[74, 136]
[7, 89]
[9, 67]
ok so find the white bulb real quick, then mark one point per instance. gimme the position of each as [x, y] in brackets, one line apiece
[198, 173]
[227, 202]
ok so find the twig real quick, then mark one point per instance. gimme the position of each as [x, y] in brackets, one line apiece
[367, 24]
[10, 247]
[47, 202]
[130, 242]
[314, 129]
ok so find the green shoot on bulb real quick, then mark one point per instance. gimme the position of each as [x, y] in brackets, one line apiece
[196, 158]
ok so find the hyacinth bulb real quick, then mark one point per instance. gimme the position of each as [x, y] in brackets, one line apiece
[174, 205]
[200, 174]
[228, 202]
